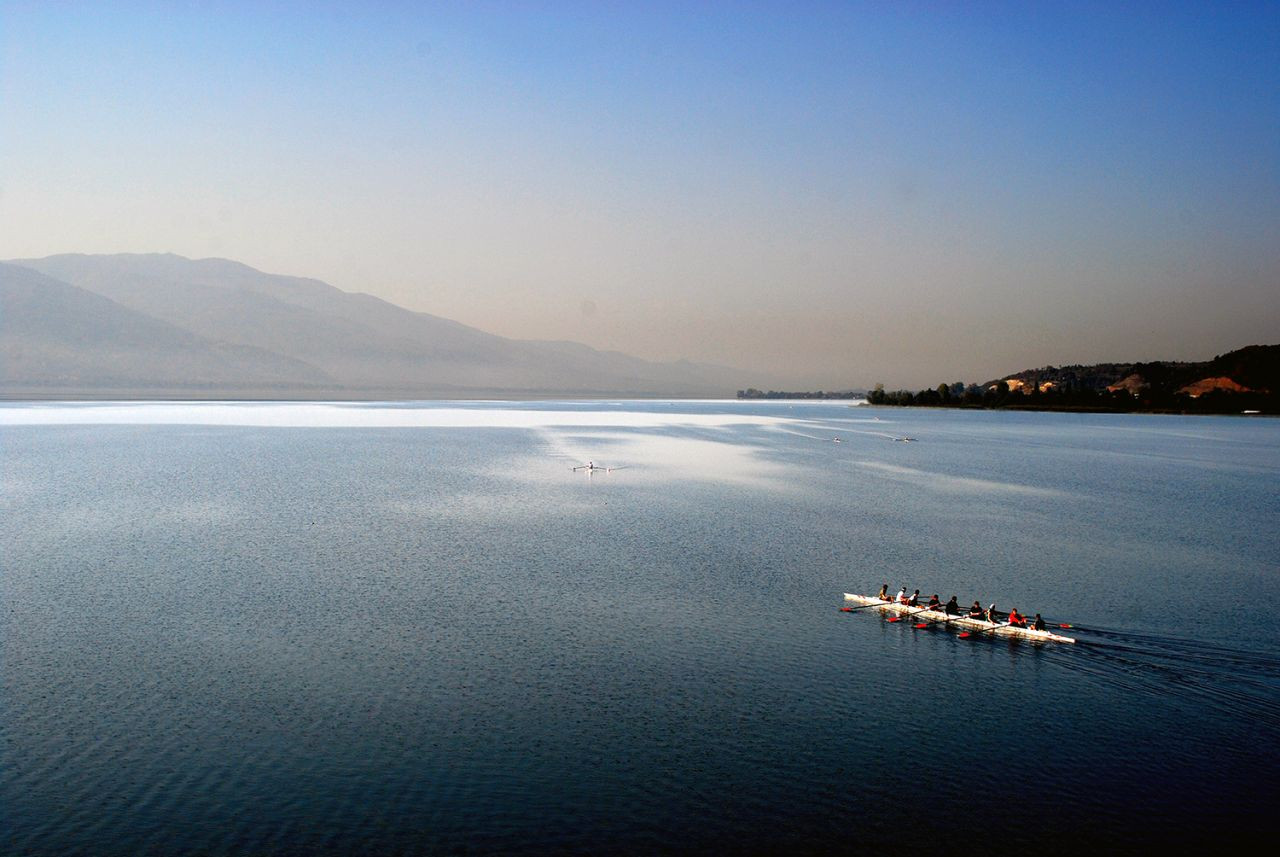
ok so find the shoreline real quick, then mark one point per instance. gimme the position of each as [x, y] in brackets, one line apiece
[465, 395]
[1079, 409]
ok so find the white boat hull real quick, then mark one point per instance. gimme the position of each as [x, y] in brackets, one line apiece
[938, 616]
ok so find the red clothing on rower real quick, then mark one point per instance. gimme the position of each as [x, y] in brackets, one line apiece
[1015, 619]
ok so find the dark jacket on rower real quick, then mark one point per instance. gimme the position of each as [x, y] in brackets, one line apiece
[1038, 624]
[953, 607]
[976, 611]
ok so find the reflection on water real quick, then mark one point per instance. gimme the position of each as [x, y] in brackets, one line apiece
[642, 439]
[669, 455]
[360, 415]
[945, 482]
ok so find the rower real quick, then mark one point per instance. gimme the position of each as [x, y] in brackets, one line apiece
[975, 612]
[1038, 624]
[902, 595]
[934, 603]
[992, 616]
[914, 600]
[953, 607]
[883, 594]
[1016, 619]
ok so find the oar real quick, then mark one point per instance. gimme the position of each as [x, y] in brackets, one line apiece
[1047, 623]
[964, 635]
[863, 607]
[905, 615]
[936, 621]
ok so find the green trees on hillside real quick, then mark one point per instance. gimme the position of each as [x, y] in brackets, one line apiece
[1137, 387]
[1074, 398]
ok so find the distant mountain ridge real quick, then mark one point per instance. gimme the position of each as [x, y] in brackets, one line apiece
[162, 324]
[55, 335]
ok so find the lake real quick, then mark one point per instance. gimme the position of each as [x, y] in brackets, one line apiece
[270, 628]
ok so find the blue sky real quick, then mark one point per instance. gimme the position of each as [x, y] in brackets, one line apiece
[840, 193]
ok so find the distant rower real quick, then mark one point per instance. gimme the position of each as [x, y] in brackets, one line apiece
[883, 594]
[934, 603]
[1038, 624]
[914, 600]
[953, 607]
[1016, 619]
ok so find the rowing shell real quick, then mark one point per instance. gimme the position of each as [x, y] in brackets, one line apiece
[964, 621]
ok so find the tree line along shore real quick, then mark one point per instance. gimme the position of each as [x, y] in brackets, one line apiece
[1243, 381]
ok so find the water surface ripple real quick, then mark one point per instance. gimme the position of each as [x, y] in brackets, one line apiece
[377, 629]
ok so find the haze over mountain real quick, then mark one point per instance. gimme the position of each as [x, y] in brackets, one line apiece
[165, 325]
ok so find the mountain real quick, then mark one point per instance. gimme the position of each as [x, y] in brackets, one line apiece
[56, 336]
[289, 334]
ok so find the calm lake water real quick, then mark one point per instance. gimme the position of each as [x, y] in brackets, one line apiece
[291, 629]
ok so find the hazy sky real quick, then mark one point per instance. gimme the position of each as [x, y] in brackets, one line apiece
[843, 193]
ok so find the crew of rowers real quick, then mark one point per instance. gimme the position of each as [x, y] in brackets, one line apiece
[952, 608]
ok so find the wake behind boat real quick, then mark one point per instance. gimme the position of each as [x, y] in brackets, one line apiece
[939, 616]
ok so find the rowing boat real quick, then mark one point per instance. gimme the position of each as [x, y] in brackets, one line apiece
[939, 616]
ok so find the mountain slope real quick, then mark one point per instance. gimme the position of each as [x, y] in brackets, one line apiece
[1255, 367]
[55, 335]
[359, 342]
